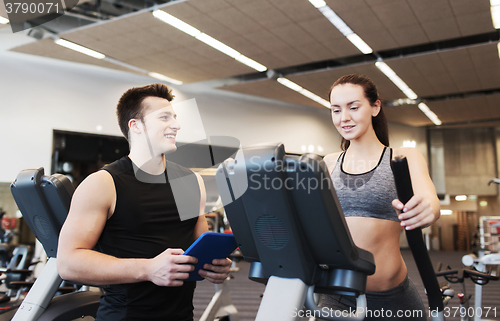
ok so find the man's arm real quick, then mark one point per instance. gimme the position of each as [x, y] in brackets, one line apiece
[91, 206]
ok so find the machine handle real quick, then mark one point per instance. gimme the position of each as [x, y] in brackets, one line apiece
[404, 189]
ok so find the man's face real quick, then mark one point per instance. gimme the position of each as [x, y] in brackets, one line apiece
[161, 125]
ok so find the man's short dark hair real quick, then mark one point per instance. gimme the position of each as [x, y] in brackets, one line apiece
[130, 105]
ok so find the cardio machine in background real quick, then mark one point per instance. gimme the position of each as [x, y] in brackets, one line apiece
[44, 202]
[483, 265]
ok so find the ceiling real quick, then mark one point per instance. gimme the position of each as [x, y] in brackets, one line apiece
[445, 50]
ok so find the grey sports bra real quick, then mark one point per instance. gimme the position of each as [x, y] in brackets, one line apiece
[368, 194]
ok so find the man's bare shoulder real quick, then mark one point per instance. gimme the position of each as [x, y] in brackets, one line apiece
[100, 179]
[97, 189]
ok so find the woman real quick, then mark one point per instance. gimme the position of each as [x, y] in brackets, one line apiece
[364, 183]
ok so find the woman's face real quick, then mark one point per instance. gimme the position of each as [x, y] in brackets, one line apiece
[351, 111]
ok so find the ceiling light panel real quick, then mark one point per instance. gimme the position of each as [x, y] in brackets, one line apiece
[293, 86]
[495, 16]
[318, 3]
[395, 79]
[81, 49]
[164, 78]
[203, 37]
[341, 26]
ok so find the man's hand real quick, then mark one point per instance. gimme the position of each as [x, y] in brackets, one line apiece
[216, 272]
[170, 268]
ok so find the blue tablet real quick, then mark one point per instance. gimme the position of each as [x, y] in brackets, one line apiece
[207, 247]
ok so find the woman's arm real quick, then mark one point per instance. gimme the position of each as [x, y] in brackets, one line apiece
[423, 208]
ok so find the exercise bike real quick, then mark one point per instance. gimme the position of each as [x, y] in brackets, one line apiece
[465, 312]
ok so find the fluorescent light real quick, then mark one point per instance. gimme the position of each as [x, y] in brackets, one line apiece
[3, 20]
[81, 49]
[395, 79]
[335, 20]
[341, 26]
[214, 43]
[203, 37]
[472, 197]
[98, 55]
[177, 23]
[318, 3]
[407, 91]
[495, 16]
[293, 86]
[359, 43]
[251, 63]
[164, 78]
[290, 84]
[483, 203]
[461, 198]
[315, 97]
[446, 212]
[403, 101]
[429, 113]
[424, 108]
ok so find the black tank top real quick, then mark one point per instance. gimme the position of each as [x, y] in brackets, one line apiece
[145, 222]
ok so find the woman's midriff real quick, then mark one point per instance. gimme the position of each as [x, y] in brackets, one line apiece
[381, 238]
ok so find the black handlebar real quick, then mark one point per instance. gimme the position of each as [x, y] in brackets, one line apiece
[404, 188]
[458, 276]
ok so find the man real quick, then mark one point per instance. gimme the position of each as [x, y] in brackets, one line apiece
[125, 233]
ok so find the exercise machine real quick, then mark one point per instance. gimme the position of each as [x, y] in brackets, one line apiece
[480, 279]
[288, 223]
[416, 242]
[44, 202]
[292, 231]
[220, 306]
[481, 262]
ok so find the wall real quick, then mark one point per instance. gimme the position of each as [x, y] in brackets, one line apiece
[39, 95]
[469, 160]
[399, 133]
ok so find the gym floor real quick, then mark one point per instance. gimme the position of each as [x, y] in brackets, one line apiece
[246, 294]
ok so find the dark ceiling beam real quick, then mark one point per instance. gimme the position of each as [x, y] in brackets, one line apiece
[432, 47]
[492, 121]
[427, 99]
[462, 95]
